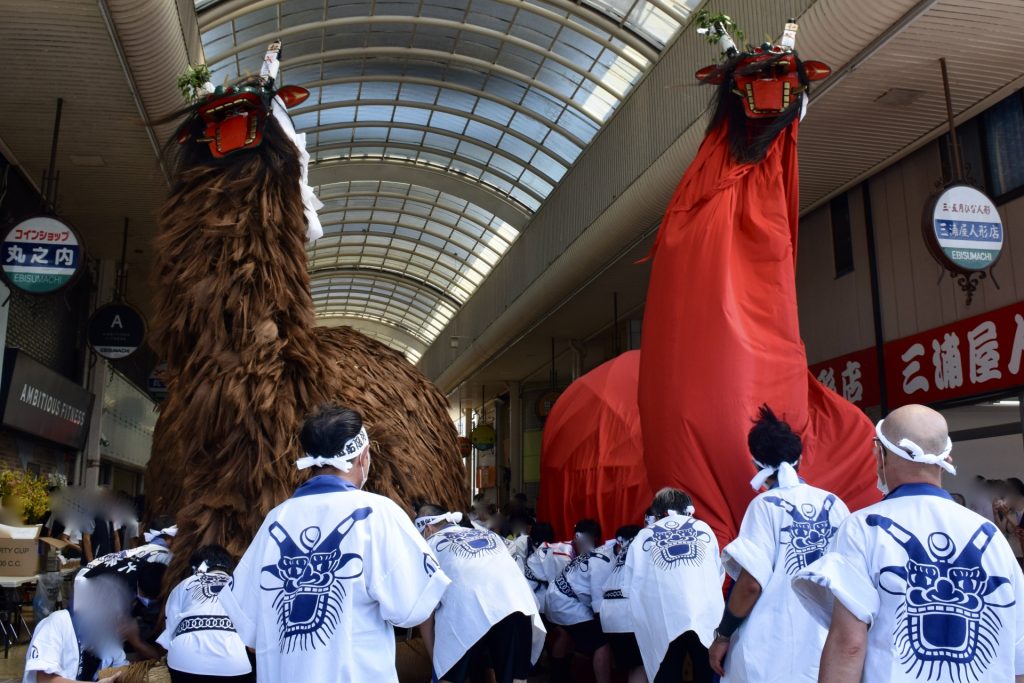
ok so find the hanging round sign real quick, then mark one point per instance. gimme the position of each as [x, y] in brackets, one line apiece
[116, 331]
[41, 255]
[963, 229]
[483, 437]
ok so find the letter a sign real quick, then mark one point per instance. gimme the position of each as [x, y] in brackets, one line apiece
[116, 331]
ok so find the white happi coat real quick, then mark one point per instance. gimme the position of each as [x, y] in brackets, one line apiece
[545, 565]
[485, 589]
[55, 649]
[569, 600]
[616, 616]
[599, 568]
[199, 637]
[937, 584]
[329, 572]
[783, 531]
[673, 584]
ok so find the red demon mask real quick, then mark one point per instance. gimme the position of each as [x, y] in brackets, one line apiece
[767, 79]
[234, 117]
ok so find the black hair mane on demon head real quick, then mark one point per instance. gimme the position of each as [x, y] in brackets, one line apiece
[750, 138]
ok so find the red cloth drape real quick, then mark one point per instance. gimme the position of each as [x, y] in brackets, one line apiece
[592, 453]
[721, 336]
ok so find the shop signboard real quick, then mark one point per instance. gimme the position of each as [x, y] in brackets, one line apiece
[853, 376]
[978, 355]
[483, 437]
[41, 255]
[963, 229]
[157, 382]
[116, 331]
[44, 403]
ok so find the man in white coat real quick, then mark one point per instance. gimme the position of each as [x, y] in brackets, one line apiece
[673, 584]
[916, 587]
[785, 528]
[332, 569]
[488, 617]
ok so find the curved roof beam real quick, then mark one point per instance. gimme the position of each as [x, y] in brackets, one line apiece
[442, 57]
[526, 139]
[411, 173]
[525, 164]
[373, 327]
[263, 40]
[399, 252]
[485, 229]
[402, 279]
[451, 85]
[233, 9]
[411, 226]
[444, 153]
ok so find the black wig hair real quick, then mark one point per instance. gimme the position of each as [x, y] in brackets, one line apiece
[772, 441]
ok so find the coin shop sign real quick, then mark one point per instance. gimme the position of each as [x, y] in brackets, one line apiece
[41, 255]
[116, 331]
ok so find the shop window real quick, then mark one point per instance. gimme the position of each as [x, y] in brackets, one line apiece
[1004, 145]
[842, 235]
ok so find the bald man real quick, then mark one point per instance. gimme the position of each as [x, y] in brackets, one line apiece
[916, 587]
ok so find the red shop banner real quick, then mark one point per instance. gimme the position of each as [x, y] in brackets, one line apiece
[973, 356]
[853, 376]
[978, 355]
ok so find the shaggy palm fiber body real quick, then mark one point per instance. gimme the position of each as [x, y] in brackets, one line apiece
[234, 321]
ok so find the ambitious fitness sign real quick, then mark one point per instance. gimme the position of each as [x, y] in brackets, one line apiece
[41, 402]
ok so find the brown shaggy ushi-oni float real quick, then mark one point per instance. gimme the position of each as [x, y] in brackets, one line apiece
[233, 318]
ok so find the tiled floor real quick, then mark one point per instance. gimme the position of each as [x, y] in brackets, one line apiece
[12, 668]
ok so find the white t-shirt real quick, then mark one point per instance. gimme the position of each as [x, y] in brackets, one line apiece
[199, 637]
[783, 531]
[486, 588]
[937, 584]
[673, 584]
[569, 600]
[328, 574]
[54, 649]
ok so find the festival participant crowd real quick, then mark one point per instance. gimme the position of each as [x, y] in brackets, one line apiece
[914, 588]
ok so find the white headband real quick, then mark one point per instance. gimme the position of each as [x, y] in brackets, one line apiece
[154, 534]
[310, 202]
[430, 520]
[908, 450]
[787, 476]
[688, 510]
[342, 460]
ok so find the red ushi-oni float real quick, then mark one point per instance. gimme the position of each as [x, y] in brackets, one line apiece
[712, 354]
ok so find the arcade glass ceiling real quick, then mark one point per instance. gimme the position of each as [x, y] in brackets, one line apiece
[436, 128]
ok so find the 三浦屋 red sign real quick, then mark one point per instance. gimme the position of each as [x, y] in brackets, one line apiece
[977, 355]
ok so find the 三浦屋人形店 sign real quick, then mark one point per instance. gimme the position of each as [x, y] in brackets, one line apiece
[966, 232]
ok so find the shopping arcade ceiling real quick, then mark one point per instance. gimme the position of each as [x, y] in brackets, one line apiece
[461, 117]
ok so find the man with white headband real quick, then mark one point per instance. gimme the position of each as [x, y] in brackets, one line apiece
[332, 569]
[784, 529]
[673, 583]
[487, 617]
[917, 587]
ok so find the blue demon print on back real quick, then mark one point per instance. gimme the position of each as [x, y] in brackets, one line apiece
[947, 627]
[468, 542]
[807, 537]
[206, 587]
[675, 542]
[308, 580]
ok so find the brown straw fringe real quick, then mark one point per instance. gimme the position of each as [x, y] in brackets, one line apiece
[234, 320]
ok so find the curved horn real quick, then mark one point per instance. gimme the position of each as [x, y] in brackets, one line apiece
[907, 540]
